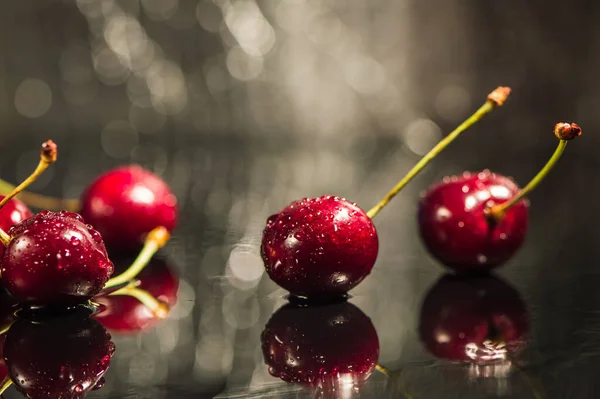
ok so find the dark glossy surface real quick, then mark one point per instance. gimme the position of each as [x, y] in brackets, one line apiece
[125, 203]
[125, 314]
[473, 319]
[57, 356]
[455, 229]
[55, 258]
[320, 246]
[329, 348]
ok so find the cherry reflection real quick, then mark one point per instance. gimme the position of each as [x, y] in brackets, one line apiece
[144, 303]
[331, 349]
[480, 320]
[54, 355]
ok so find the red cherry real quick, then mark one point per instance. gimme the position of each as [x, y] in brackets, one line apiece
[126, 203]
[319, 246]
[332, 348]
[55, 258]
[477, 319]
[456, 229]
[13, 212]
[124, 314]
[63, 356]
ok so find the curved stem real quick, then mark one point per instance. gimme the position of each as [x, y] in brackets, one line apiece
[494, 99]
[498, 211]
[41, 201]
[159, 308]
[155, 240]
[6, 383]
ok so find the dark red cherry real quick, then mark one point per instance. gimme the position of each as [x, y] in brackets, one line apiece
[319, 246]
[456, 230]
[124, 314]
[332, 347]
[475, 319]
[125, 203]
[57, 356]
[12, 213]
[55, 258]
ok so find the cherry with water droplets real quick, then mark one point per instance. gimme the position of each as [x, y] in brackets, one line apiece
[323, 247]
[125, 314]
[55, 258]
[321, 347]
[126, 203]
[475, 319]
[456, 230]
[57, 356]
[478, 221]
[319, 246]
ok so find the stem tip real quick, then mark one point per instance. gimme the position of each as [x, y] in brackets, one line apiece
[499, 96]
[567, 131]
[49, 152]
[159, 235]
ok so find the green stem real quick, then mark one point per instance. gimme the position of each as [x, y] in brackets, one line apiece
[495, 99]
[6, 383]
[159, 308]
[41, 201]
[498, 211]
[155, 240]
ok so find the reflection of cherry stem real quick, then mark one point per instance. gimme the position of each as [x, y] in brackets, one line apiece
[394, 376]
[155, 240]
[159, 308]
[533, 383]
[4, 329]
[48, 154]
[6, 383]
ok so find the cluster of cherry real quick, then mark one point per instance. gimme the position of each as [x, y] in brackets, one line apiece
[323, 247]
[54, 266]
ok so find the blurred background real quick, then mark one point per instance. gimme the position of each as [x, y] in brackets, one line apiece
[243, 106]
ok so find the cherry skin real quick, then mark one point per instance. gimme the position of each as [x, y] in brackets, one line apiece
[456, 230]
[125, 203]
[54, 258]
[321, 347]
[57, 356]
[475, 319]
[125, 314]
[12, 213]
[319, 247]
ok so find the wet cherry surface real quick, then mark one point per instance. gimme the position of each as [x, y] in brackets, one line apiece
[125, 203]
[456, 230]
[330, 348]
[12, 213]
[55, 258]
[318, 247]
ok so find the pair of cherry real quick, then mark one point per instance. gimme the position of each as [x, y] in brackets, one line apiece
[324, 247]
[56, 258]
[479, 320]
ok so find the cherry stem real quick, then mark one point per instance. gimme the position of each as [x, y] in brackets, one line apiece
[159, 308]
[6, 383]
[48, 154]
[495, 99]
[41, 201]
[498, 211]
[155, 240]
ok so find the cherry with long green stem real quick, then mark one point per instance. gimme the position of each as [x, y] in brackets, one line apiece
[323, 247]
[478, 221]
[123, 204]
[79, 267]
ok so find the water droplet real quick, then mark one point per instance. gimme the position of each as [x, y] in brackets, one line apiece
[78, 388]
[481, 258]
[503, 236]
[465, 189]
[461, 224]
